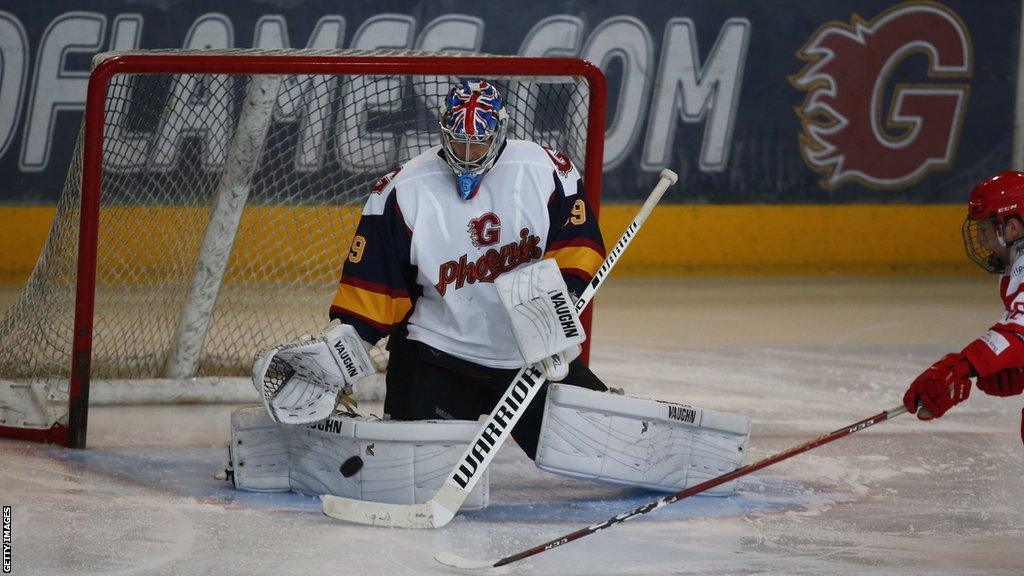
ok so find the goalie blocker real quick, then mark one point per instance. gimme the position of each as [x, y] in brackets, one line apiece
[544, 319]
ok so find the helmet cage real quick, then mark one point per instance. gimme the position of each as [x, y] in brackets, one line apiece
[986, 246]
[479, 166]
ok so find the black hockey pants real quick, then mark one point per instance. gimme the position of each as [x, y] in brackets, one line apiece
[424, 383]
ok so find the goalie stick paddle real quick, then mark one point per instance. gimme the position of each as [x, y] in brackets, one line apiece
[440, 509]
[455, 561]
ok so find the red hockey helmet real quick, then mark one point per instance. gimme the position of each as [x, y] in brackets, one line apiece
[993, 202]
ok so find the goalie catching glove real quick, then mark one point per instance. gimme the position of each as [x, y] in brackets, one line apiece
[301, 382]
[545, 322]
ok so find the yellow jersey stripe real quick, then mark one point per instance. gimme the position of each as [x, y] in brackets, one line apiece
[380, 308]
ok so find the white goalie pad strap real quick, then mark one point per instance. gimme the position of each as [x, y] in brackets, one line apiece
[637, 442]
[398, 462]
[544, 319]
[300, 382]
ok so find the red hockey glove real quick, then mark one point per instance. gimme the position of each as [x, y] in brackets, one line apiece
[942, 386]
[1009, 382]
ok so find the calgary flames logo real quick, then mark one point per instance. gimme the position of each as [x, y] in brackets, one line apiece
[857, 125]
[485, 230]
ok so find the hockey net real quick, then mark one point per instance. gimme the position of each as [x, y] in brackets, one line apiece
[211, 201]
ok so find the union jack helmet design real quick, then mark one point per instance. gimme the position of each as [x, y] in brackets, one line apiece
[472, 113]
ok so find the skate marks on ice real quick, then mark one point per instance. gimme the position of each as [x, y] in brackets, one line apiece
[158, 510]
[69, 520]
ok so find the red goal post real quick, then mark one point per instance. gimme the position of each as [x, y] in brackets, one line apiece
[180, 163]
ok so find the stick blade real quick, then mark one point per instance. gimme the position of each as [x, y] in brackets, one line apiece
[379, 513]
[456, 561]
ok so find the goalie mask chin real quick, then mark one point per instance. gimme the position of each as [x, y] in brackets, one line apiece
[474, 125]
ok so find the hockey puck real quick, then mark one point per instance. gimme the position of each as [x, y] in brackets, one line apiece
[351, 466]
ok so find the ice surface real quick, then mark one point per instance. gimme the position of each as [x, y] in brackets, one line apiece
[801, 357]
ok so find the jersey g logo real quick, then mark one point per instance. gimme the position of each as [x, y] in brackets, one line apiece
[862, 126]
[485, 230]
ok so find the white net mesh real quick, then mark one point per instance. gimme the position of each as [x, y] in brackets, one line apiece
[172, 145]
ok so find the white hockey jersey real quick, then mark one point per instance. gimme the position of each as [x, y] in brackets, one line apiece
[1002, 346]
[423, 260]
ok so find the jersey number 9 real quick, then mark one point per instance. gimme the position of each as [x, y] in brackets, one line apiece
[579, 212]
[355, 254]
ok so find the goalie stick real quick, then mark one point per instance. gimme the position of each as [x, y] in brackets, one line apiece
[455, 561]
[440, 509]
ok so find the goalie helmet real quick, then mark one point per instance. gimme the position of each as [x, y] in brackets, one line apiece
[993, 203]
[472, 117]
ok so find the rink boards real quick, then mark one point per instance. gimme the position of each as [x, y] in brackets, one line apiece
[678, 239]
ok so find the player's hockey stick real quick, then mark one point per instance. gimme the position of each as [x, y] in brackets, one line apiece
[456, 561]
[440, 509]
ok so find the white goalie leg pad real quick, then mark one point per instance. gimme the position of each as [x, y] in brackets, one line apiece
[401, 462]
[544, 318]
[258, 452]
[637, 442]
[386, 461]
[300, 382]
